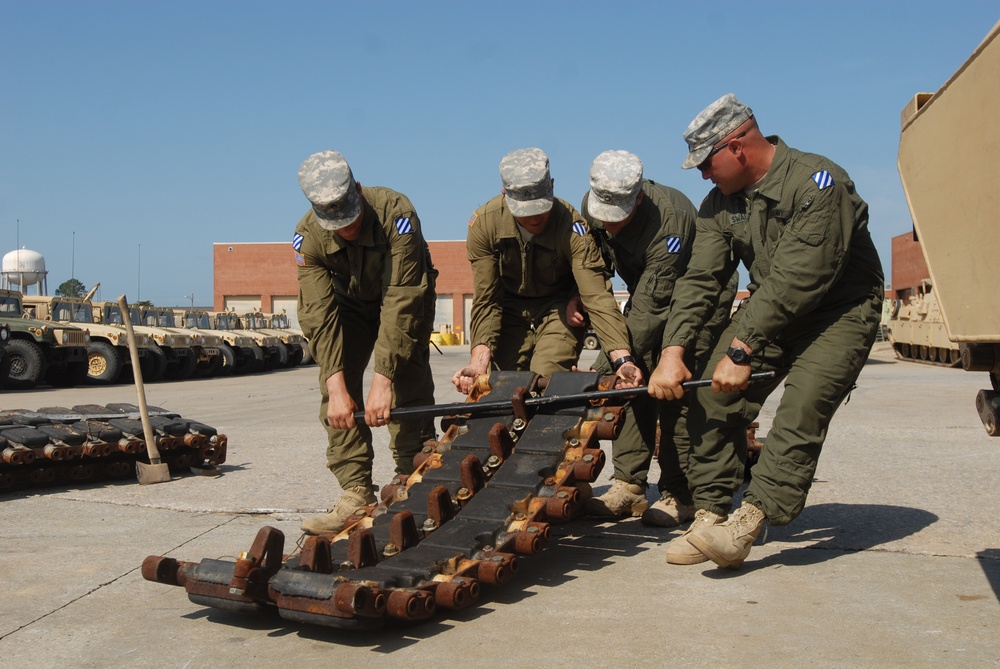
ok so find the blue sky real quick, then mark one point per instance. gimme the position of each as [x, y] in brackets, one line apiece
[152, 130]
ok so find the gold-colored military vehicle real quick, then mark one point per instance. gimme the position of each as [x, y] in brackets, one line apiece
[281, 322]
[107, 354]
[206, 345]
[267, 354]
[39, 351]
[237, 350]
[171, 354]
[947, 163]
[291, 349]
[917, 331]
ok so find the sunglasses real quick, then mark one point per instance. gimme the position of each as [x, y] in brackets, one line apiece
[704, 164]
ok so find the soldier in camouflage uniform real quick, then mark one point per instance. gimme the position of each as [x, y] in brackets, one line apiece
[799, 226]
[366, 283]
[645, 231]
[530, 252]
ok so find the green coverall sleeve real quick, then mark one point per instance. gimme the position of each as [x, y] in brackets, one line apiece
[808, 260]
[318, 312]
[487, 308]
[592, 281]
[405, 287]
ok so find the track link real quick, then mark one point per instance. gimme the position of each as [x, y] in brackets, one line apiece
[479, 498]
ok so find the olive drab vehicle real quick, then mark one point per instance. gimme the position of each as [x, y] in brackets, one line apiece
[170, 354]
[238, 351]
[290, 342]
[947, 163]
[210, 360]
[108, 356]
[267, 348]
[917, 331]
[39, 351]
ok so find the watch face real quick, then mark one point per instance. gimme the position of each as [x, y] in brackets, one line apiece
[738, 355]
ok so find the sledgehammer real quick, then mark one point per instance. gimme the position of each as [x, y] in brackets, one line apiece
[156, 471]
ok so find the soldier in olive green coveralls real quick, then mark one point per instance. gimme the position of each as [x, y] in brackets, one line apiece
[646, 231]
[364, 285]
[530, 252]
[796, 222]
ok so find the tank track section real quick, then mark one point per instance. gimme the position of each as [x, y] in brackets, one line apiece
[482, 496]
[59, 445]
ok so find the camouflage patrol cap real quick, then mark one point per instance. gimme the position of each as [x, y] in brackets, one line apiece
[328, 183]
[711, 125]
[526, 182]
[615, 182]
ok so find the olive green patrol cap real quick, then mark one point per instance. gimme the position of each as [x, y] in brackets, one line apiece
[526, 182]
[615, 182]
[328, 183]
[712, 124]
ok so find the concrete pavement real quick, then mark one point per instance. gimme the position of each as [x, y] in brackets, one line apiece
[895, 561]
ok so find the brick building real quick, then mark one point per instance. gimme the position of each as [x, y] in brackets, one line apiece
[263, 276]
[908, 267]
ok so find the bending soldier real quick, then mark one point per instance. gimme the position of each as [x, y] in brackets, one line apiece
[366, 284]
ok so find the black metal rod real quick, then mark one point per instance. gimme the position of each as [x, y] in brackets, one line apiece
[489, 406]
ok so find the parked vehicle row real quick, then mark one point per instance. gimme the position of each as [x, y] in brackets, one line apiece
[66, 341]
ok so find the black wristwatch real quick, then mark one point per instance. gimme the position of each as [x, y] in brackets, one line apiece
[739, 356]
[617, 364]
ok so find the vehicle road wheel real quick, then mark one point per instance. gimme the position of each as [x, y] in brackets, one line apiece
[184, 369]
[228, 357]
[590, 342]
[282, 356]
[153, 365]
[23, 365]
[256, 363]
[294, 355]
[307, 358]
[67, 375]
[104, 363]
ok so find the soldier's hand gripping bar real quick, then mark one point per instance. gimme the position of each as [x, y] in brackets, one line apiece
[496, 406]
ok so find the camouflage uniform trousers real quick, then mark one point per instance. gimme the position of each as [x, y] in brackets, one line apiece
[819, 359]
[349, 453]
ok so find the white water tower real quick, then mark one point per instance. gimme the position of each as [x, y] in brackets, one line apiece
[23, 268]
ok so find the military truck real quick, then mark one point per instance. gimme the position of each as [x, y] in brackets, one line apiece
[267, 354]
[281, 322]
[947, 163]
[39, 351]
[206, 345]
[170, 355]
[291, 344]
[108, 358]
[239, 352]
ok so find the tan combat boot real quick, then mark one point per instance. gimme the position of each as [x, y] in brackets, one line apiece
[667, 512]
[623, 499]
[728, 544]
[333, 522]
[679, 551]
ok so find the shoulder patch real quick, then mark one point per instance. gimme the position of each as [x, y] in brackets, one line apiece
[403, 225]
[472, 219]
[297, 241]
[673, 244]
[579, 228]
[823, 179]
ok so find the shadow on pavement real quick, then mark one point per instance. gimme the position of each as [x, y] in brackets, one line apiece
[989, 559]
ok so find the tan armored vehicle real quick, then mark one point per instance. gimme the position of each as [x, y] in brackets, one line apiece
[917, 331]
[206, 345]
[107, 355]
[290, 343]
[947, 163]
[171, 354]
[237, 350]
[281, 322]
[40, 351]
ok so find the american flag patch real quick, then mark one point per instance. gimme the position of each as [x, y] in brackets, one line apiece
[299, 260]
[823, 179]
[472, 219]
[673, 244]
[403, 225]
[579, 229]
[297, 241]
